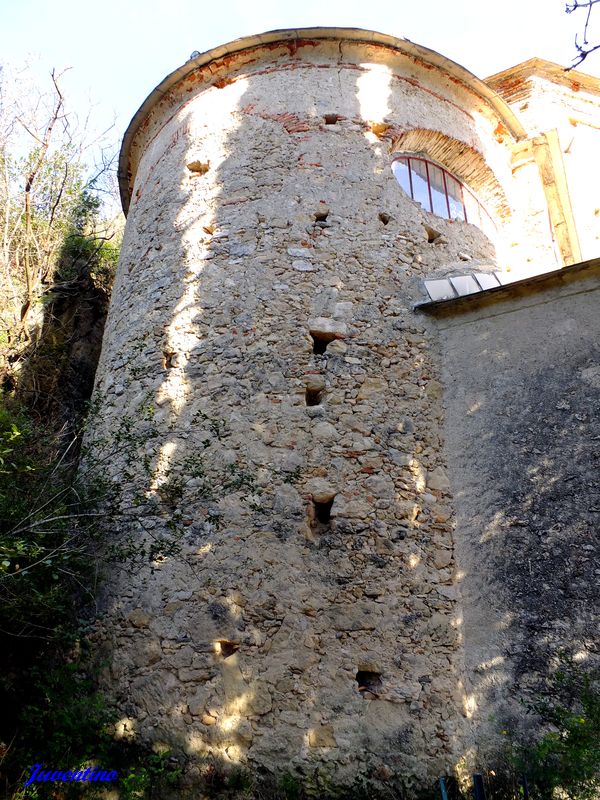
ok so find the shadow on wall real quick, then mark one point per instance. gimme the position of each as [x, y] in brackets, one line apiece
[522, 436]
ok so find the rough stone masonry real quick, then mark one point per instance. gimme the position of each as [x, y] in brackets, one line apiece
[277, 405]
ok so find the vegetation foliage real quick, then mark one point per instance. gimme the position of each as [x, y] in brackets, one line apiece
[565, 761]
[47, 199]
[57, 259]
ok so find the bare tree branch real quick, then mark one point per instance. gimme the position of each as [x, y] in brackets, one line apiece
[583, 49]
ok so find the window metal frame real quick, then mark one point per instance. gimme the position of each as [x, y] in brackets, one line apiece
[483, 213]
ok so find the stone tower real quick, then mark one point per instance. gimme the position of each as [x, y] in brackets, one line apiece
[277, 401]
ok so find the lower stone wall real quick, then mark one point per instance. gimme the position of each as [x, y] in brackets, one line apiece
[522, 392]
[306, 620]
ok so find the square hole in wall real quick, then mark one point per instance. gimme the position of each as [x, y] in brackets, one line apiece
[314, 397]
[226, 648]
[320, 516]
[321, 340]
[369, 681]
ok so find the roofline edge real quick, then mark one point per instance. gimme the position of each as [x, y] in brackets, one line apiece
[508, 117]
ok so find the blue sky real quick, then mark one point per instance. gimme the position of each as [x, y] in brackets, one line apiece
[120, 49]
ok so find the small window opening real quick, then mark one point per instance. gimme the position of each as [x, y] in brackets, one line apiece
[320, 341]
[321, 216]
[323, 511]
[314, 397]
[383, 217]
[199, 167]
[439, 192]
[369, 681]
[432, 234]
[331, 119]
[320, 516]
[226, 648]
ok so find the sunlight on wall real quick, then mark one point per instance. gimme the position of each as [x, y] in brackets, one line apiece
[374, 90]
[494, 527]
[419, 474]
[492, 663]
[414, 560]
[125, 728]
[197, 222]
[507, 620]
[207, 126]
[234, 713]
[498, 159]
[580, 655]
[197, 744]
[470, 706]
[163, 461]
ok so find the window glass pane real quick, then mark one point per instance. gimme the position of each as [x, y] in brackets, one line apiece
[472, 209]
[400, 170]
[429, 185]
[457, 210]
[487, 224]
[419, 182]
[438, 191]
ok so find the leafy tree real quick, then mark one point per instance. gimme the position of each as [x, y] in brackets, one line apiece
[563, 759]
[57, 259]
[45, 194]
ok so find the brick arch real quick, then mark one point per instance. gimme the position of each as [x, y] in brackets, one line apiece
[463, 161]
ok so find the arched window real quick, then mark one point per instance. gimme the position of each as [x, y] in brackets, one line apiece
[440, 192]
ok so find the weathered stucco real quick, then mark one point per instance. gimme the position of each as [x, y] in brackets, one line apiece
[567, 105]
[265, 217]
[521, 372]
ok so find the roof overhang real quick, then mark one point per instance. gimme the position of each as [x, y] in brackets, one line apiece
[569, 278]
[513, 83]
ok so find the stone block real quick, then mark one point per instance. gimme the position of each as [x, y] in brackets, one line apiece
[322, 736]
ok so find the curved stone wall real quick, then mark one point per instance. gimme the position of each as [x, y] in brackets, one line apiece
[278, 413]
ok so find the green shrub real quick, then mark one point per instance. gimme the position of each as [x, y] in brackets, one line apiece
[566, 760]
[41, 549]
